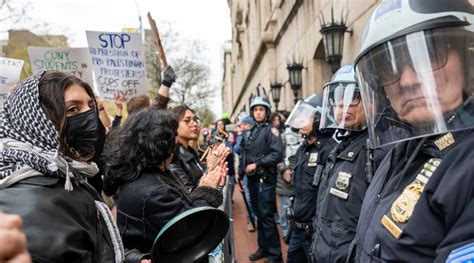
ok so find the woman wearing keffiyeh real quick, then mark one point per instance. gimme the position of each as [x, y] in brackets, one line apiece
[49, 130]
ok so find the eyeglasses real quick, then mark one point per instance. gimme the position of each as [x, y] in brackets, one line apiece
[341, 103]
[424, 52]
[344, 94]
[189, 121]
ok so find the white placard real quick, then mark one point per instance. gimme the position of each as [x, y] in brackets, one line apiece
[10, 70]
[76, 61]
[118, 62]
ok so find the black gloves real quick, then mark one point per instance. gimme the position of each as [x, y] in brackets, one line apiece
[168, 77]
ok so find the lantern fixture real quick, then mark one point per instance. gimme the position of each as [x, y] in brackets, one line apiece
[294, 72]
[333, 39]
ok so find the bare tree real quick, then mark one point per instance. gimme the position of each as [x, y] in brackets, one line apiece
[187, 57]
[171, 42]
[18, 14]
[192, 86]
[12, 12]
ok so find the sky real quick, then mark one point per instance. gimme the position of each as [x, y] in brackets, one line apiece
[206, 20]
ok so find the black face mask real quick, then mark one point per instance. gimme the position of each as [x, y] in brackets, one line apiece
[85, 134]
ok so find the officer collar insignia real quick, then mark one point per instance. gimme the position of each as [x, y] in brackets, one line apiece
[445, 141]
[275, 131]
[402, 208]
[350, 152]
[342, 184]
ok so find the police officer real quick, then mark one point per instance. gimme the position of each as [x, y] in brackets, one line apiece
[348, 169]
[416, 73]
[262, 150]
[310, 160]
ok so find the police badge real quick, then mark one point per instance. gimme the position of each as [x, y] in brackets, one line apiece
[343, 180]
[313, 160]
[342, 183]
[402, 208]
[404, 205]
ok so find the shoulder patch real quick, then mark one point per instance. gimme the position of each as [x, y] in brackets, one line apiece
[275, 132]
[462, 254]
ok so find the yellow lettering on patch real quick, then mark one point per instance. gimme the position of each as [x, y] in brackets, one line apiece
[445, 141]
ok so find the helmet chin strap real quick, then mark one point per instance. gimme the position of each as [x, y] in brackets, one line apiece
[464, 107]
[315, 132]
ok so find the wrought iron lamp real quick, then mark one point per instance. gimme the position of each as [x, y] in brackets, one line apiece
[294, 71]
[333, 37]
[276, 93]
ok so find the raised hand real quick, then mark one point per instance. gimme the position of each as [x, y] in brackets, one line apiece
[119, 99]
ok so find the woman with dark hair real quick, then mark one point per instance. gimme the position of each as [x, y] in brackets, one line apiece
[277, 122]
[49, 133]
[220, 134]
[186, 164]
[150, 195]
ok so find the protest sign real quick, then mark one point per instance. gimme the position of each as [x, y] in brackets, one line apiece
[75, 61]
[10, 70]
[118, 62]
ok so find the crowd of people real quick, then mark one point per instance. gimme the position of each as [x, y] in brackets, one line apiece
[373, 169]
[59, 155]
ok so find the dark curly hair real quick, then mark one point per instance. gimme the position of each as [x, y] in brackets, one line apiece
[145, 140]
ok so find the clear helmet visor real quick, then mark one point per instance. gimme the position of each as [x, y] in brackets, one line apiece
[302, 115]
[418, 85]
[342, 107]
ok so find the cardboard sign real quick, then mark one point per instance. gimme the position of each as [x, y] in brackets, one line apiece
[75, 61]
[10, 70]
[118, 62]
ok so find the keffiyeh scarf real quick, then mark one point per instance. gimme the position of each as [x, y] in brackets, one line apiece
[29, 146]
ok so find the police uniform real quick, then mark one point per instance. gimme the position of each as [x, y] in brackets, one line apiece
[263, 146]
[310, 161]
[340, 198]
[425, 214]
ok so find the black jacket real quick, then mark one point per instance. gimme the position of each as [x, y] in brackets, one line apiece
[340, 198]
[60, 226]
[310, 162]
[262, 145]
[439, 221]
[187, 167]
[146, 204]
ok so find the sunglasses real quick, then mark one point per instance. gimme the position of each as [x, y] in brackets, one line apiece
[341, 95]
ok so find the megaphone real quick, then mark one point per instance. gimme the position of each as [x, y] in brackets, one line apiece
[190, 236]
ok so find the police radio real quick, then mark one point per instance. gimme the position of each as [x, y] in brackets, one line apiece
[369, 166]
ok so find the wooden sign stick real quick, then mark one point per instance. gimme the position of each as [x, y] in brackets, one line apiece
[156, 36]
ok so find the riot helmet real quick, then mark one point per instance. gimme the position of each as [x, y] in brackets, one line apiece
[306, 112]
[342, 104]
[415, 69]
[261, 101]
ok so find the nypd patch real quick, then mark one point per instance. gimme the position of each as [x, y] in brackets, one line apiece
[462, 254]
